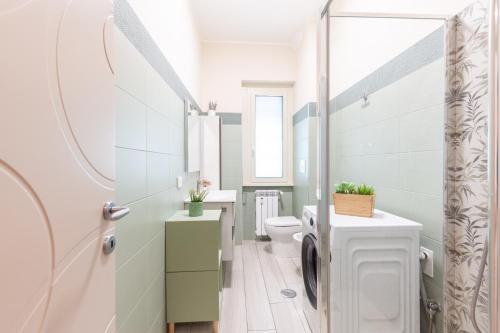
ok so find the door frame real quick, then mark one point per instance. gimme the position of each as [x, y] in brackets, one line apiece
[323, 79]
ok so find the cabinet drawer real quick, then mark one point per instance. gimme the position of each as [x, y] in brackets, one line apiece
[192, 246]
[192, 296]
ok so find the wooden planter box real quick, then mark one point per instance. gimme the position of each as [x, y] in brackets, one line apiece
[354, 204]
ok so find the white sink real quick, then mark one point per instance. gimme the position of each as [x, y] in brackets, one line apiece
[219, 196]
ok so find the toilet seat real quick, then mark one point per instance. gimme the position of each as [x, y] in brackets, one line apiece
[281, 229]
[283, 221]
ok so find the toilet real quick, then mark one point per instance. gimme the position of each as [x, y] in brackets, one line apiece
[281, 230]
[297, 240]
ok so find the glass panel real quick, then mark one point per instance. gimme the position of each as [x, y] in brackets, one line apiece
[386, 130]
[269, 136]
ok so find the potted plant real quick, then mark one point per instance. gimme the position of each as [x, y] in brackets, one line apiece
[350, 199]
[196, 204]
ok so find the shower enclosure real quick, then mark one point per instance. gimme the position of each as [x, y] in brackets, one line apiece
[407, 103]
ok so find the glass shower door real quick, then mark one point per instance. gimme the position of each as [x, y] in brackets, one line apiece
[381, 123]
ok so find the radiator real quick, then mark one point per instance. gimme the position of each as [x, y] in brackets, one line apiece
[266, 206]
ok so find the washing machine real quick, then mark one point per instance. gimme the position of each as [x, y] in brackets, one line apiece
[374, 272]
[309, 258]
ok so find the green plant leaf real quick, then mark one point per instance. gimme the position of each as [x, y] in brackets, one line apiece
[351, 188]
[364, 189]
[197, 196]
[345, 188]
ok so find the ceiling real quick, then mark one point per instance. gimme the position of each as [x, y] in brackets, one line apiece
[254, 21]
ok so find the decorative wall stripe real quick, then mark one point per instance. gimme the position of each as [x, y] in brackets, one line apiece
[228, 118]
[424, 52]
[131, 26]
[307, 111]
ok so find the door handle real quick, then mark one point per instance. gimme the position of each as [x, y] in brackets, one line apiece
[112, 212]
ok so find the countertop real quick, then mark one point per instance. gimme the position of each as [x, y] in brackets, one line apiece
[219, 196]
[183, 216]
[380, 219]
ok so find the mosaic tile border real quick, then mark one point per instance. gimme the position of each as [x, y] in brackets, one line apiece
[424, 52]
[129, 23]
[307, 111]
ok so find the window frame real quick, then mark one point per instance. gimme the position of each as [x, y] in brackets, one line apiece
[249, 136]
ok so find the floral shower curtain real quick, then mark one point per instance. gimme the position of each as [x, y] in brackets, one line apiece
[467, 181]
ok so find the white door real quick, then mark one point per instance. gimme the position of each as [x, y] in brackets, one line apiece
[56, 166]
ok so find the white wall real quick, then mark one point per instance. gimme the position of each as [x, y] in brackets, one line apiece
[226, 65]
[359, 46]
[172, 26]
[306, 83]
[434, 7]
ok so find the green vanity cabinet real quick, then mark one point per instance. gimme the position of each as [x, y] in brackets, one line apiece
[193, 267]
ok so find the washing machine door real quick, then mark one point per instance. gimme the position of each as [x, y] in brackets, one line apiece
[309, 268]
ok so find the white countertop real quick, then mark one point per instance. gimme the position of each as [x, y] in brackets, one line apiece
[380, 219]
[219, 196]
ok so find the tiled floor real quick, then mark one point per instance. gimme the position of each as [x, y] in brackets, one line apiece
[252, 302]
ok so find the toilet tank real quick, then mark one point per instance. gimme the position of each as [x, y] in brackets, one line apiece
[374, 277]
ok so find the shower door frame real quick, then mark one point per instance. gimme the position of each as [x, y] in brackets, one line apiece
[324, 190]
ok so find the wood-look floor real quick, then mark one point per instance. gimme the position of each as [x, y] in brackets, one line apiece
[251, 301]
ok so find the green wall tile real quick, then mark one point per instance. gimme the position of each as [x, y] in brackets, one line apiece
[130, 121]
[304, 191]
[396, 144]
[151, 123]
[155, 298]
[156, 256]
[159, 132]
[159, 173]
[131, 175]
[133, 232]
[136, 320]
[131, 284]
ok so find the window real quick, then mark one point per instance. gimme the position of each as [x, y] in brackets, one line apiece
[267, 131]
[268, 143]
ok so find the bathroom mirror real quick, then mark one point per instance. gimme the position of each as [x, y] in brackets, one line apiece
[192, 137]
